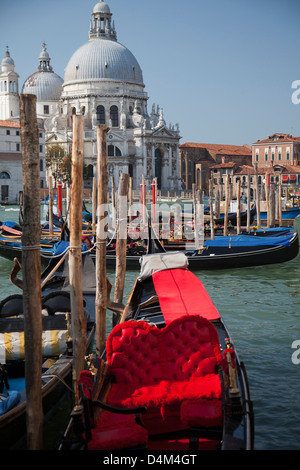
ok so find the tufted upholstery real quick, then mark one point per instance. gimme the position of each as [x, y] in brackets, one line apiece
[162, 368]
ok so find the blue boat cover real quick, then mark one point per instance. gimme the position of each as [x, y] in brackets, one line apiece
[9, 402]
[60, 247]
[249, 240]
[9, 223]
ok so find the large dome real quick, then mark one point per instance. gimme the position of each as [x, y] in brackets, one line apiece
[103, 59]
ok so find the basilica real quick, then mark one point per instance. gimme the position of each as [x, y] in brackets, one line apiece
[104, 82]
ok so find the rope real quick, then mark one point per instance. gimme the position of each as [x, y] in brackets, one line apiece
[33, 247]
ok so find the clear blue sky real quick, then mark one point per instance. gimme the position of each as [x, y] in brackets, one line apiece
[222, 69]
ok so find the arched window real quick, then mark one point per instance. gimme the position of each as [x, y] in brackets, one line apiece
[113, 151]
[74, 110]
[114, 116]
[90, 171]
[100, 114]
[4, 175]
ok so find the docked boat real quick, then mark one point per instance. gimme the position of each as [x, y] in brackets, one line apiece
[232, 217]
[226, 252]
[170, 378]
[286, 214]
[56, 370]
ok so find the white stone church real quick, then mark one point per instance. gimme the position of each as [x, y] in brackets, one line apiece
[104, 82]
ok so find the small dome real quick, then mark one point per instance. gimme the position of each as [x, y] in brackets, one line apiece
[7, 62]
[101, 7]
[47, 86]
[44, 83]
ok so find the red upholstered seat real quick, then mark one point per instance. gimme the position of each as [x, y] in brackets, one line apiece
[161, 368]
[116, 431]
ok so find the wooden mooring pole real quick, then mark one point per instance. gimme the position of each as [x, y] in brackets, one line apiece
[121, 246]
[75, 272]
[227, 200]
[31, 260]
[101, 240]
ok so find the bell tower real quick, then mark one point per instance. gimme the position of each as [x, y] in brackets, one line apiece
[9, 89]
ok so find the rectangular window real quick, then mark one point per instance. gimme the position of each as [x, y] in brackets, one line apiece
[287, 156]
[7, 132]
[266, 157]
[257, 157]
[18, 147]
[41, 148]
[46, 109]
[17, 132]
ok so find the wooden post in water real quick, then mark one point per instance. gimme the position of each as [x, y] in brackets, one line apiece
[31, 260]
[279, 203]
[217, 204]
[211, 211]
[94, 204]
[238, 212]
[267, 190]
[121, 247]
[101, 240]
[114, 204]
[226, 205]
[195, 216]
[248, 202]
[257, 198]
[75, 273]
[50, 206]
[130, 199]
[271, 207]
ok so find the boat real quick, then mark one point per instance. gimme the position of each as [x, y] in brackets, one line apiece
[56, 373]
[11, 242]
[232, 217]
[227, 252]
[170, 378]
[286, 214]
[50, 244]
[237, 251]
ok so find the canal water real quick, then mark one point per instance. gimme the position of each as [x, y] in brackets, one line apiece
[261, 308]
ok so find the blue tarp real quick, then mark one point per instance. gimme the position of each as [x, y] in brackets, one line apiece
[249, 240]
[9, 402]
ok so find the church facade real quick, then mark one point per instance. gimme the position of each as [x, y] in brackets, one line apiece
[103, 81]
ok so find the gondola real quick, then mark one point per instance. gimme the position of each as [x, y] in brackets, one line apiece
[232, 217]
[56, 370]
[227, 252]
[170, 378]
[286, 214]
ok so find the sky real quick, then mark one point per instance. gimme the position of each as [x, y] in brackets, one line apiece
[222, 69]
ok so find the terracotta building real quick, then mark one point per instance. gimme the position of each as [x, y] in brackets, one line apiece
[198, 162]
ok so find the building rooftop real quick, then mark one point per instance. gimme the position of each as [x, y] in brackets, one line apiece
[220, 149]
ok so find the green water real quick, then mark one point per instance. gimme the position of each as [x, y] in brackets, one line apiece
[261, 308]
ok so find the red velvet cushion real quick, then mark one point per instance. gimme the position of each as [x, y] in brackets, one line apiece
[86, 380]
[116, 431]
[141, 354]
